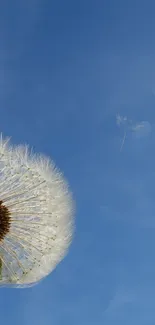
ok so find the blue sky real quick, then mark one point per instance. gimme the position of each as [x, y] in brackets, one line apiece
[68, 68]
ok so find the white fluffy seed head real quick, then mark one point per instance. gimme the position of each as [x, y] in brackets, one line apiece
[38, 229]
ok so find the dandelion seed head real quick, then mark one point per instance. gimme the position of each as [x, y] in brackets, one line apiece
[4, 221]
[36, 216]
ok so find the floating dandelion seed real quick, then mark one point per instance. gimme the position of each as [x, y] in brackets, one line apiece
[35, 216]
[122, 120]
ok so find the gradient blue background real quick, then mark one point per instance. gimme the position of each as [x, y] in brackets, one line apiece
[66, 69]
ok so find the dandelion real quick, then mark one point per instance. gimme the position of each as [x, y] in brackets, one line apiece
[36, 222]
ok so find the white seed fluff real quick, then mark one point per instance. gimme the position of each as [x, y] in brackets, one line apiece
[41, 216]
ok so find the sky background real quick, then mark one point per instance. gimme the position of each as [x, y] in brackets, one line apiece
[67, 69]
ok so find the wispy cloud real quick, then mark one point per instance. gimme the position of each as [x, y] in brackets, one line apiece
[116, 310]
[136, 129]
[122, 297]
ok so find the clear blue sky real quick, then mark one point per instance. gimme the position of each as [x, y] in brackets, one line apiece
[66, 69]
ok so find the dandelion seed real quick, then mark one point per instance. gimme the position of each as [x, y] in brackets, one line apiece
[36, 216]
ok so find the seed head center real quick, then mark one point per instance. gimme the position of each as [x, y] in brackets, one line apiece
[5, 221]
